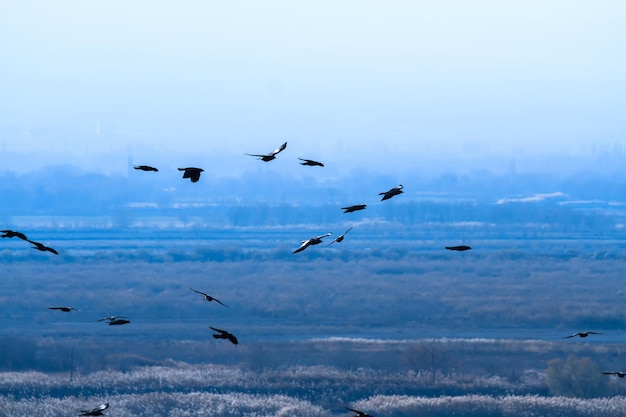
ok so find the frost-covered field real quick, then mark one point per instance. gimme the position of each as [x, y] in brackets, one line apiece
[201, 390]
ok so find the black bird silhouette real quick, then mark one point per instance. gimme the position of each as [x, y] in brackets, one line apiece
[208, 297]
[580, 334]
[312, 241]
[223, 334]
[41, 247]
[310, 163]
[118, 322]
[359, 413]
[12, 233]
[192, 173]
[272, 155]
[618, 373]
[63, 309]
[356, 207]
[146, 168]
[112, 318]
[458, 248]
[394, 191]
[95, 411]
[339, 239]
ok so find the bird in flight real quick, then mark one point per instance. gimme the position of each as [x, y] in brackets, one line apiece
[394, 191]
[208, 297]
[356, 207]
[192, 173]
[580, 334]
[223, 334]
[63, 309]
[339, 239]
[272, 155]
[458, 248]
[146, 168]
[13, 233]
[95, 411]
[41, 247]
[359, 413]
[118, 322]
[313, 241]
[311, 163]
[112, 318]
[618, 373]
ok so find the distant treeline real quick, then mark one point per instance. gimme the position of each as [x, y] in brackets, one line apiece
[270, 198]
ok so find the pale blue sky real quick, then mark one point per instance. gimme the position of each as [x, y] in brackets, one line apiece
[391, 82]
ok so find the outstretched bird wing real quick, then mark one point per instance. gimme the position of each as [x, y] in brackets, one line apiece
[199, 292]
[218, 330]
[37, 244]
[359, 413]
[279, 149]
[324, 235]
[305, 244]
[215, 299]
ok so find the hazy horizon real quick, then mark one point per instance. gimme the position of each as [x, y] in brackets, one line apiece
[447, 85]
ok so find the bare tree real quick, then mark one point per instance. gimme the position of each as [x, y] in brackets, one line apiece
[576, 377]
[429, 356]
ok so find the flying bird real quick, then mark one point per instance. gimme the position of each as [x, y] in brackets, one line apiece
[339, 239]
[41, 247]
[146, 168]
[359, 413]
[63, 309]
[458, 248]
[208, 297]
[312, 241]
[356, 207]
[394, 191]
[118, 322]
[272, 155]
[580, 334]
[223, 334]
[112, 318]
[12, 233]
[311, 163]
[95, 411]
[618, 373]
[192, 173]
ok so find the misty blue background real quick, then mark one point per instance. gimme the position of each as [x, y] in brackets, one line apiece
[395, 87]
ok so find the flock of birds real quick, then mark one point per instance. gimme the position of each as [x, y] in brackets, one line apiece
[193, 174]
